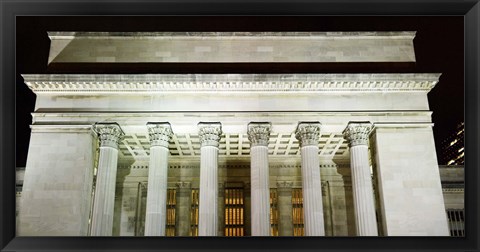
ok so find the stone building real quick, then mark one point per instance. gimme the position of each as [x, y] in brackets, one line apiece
[232, 154]
[453, 186]
[453, 151]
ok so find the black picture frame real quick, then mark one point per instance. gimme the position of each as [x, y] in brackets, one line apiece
[10, 9]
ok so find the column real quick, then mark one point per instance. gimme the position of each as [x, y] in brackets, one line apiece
[285, 222]
[259, 134]
[183, 207]
[102, 216]
[308, 133]
[357, 134]
[160, 133]
[209, 134]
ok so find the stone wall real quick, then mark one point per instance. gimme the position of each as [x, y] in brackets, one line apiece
[57, 188]
[409, 181]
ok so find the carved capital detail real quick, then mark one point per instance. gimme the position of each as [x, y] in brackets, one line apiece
[259, 133]
[109, 134]
[183, 185]
[357, 133]
[308, 133]
[209, 133]
[160, 133]
[284, 184]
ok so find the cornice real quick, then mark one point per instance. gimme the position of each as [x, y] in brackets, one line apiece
[215, 83]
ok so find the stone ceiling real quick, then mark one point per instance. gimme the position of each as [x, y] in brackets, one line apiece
[137, 146]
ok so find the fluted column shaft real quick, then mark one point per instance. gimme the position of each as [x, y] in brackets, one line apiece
[155, 219]
[209, 134]
[308, 134]
[258, 134]
[363, 201]
[102, 216]
[184, 192]
[285, 208]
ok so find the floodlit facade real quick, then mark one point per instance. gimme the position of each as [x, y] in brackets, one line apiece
[453, 185]
[232, 154]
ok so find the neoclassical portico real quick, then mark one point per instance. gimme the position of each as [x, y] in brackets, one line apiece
[202, 153]
[296, 139]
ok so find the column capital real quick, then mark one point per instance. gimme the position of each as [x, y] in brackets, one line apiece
[109, 133]
[259, 133]
[357, 133]
[284, 184]
[209, 133]
[183, 185]
[308, 133]
[160, 133]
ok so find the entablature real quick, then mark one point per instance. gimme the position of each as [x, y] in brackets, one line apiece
[186, 122]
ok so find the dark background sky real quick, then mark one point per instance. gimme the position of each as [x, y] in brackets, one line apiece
[438, 48]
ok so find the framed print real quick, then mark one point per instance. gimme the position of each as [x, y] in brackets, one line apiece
[297, 126]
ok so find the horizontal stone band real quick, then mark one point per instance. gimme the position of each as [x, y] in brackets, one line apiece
[151, 83]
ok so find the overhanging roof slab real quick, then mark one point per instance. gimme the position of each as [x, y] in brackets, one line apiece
[230, 47]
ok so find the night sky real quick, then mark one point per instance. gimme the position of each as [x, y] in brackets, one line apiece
[439, 47]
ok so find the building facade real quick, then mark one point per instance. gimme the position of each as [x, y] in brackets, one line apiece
[453, 151]
[453, 186]
[232, 154]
